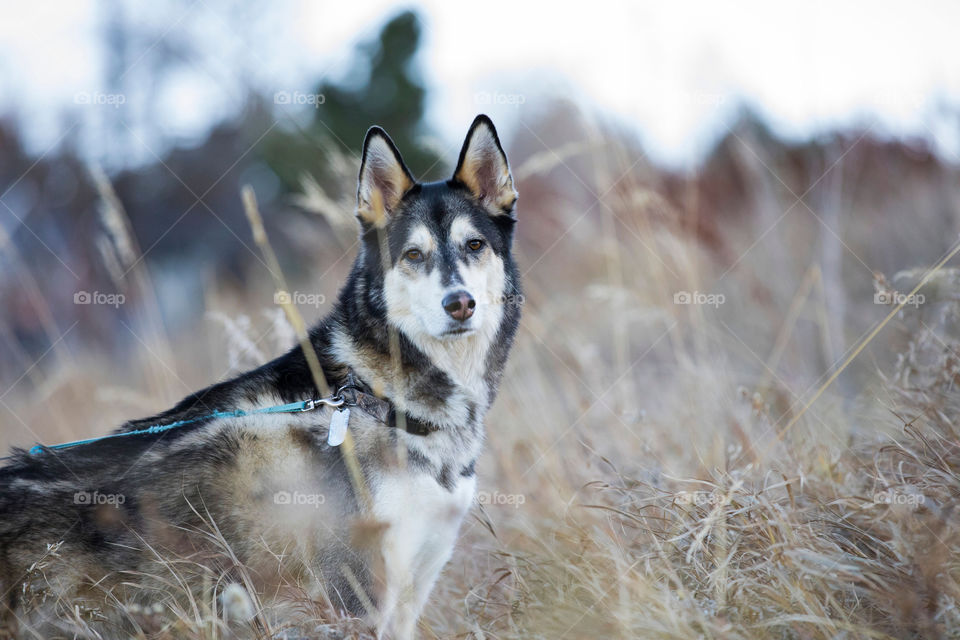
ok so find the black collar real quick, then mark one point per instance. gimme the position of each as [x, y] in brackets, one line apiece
[356, 393]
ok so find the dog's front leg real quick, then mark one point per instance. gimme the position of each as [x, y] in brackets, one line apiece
[398, 616]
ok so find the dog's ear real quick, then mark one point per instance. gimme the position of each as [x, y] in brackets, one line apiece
[483, 168]
[384, 178]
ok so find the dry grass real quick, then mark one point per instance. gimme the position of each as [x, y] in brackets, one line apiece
[639, 479]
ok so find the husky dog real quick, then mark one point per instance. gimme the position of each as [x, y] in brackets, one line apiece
[416, 346]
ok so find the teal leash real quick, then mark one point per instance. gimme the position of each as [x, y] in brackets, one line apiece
[291, 407]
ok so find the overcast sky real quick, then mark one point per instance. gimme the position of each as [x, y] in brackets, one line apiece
[673, 70]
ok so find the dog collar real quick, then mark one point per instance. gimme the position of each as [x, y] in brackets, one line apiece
[357, 394]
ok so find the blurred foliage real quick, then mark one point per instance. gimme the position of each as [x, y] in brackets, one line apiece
[183, 203]
[186, 218]
[383, 87]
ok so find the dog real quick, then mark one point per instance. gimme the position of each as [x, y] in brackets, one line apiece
[224, 487]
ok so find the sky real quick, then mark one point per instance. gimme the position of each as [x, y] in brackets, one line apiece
[675, 71]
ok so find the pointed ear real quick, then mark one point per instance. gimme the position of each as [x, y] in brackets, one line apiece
[483, 168]
[384, 178]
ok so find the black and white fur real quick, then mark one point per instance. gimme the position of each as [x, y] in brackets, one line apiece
[424, 248]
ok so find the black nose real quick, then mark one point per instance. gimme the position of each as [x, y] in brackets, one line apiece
[459, 305]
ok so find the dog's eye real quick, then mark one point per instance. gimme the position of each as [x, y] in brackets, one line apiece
[475, 244]
[414, 255]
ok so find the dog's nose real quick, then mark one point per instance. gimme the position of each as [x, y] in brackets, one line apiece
[459, 305]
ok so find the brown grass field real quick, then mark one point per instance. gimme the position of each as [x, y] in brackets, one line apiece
[780, 461]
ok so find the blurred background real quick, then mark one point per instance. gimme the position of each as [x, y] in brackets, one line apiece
[720, 204]
[178, 105]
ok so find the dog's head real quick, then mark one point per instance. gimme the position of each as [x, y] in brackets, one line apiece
[443, 248]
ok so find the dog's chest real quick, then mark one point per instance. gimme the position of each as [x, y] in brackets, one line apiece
[422, 520]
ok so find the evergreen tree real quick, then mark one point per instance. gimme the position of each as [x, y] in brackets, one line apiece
[382, 88]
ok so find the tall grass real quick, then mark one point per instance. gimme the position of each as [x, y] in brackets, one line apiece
[657, 469]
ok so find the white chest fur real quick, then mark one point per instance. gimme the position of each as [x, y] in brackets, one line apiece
[422, 520]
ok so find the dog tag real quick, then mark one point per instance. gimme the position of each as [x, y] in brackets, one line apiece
[338, 427]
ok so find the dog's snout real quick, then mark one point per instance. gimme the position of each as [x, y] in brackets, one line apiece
[459, 305]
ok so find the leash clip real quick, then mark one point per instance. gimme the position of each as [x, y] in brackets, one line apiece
[333, 401]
